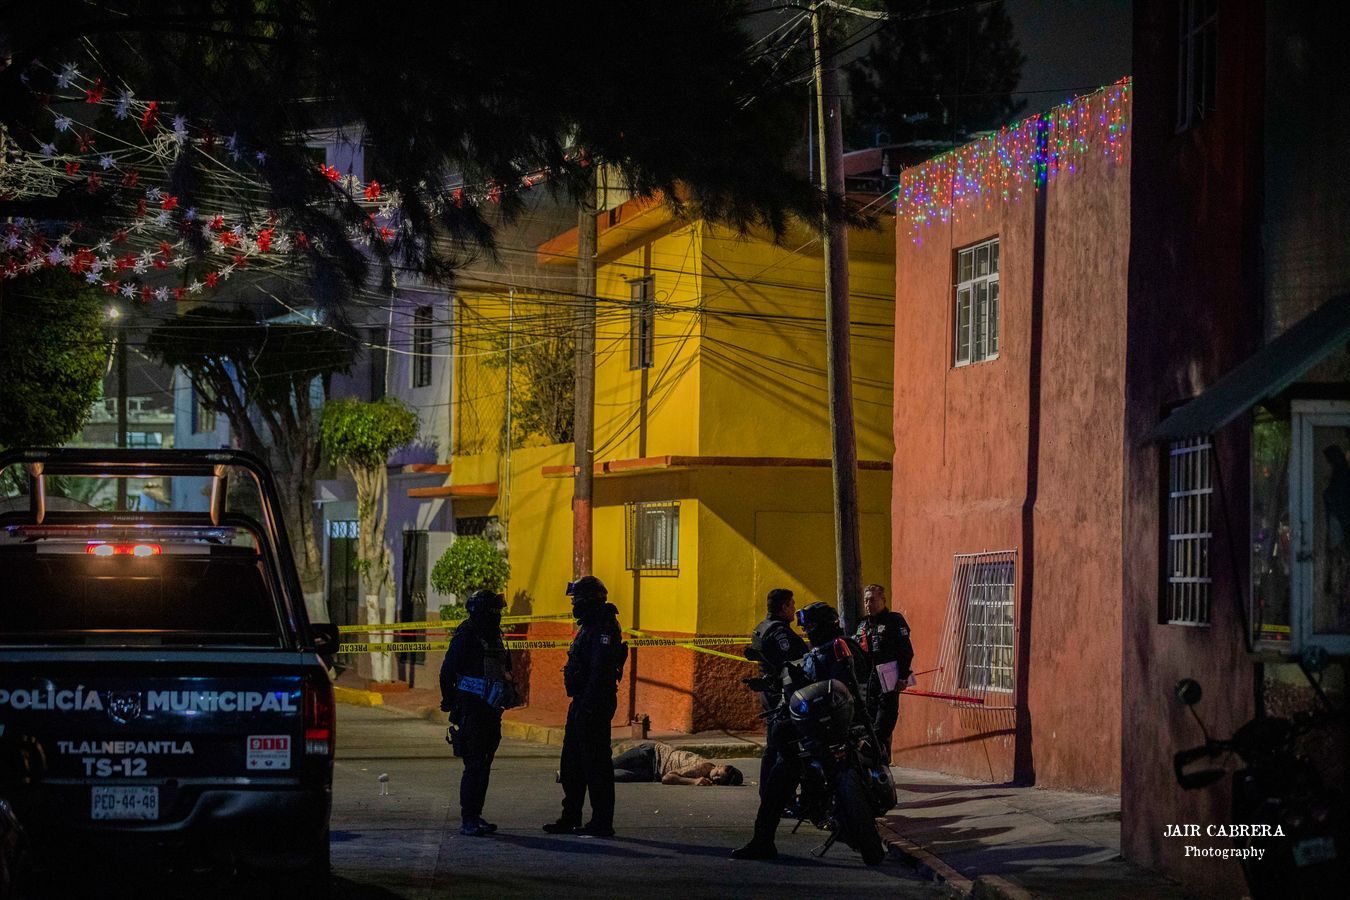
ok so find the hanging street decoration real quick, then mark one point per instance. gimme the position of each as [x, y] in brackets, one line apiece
[1015, 160]
[106, 142]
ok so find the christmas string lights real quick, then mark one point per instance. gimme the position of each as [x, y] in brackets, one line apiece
[1015, 160]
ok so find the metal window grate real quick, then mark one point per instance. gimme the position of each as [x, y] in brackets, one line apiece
[642, 325]
[652, 535]
[977, 307]
[987, 651]
[1190, 490]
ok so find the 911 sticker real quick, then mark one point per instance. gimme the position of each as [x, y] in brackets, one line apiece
[268, 752]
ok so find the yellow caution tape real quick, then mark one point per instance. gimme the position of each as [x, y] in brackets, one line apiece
[448, 625]
[699, 643]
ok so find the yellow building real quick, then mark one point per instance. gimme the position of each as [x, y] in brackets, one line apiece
[711, 432]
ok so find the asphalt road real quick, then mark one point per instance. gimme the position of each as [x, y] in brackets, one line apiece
[671, 841]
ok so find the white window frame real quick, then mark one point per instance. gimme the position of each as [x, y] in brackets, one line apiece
[1190, 531]
[976, 304]
[652, 535]
[642, 322]
[1197, 46]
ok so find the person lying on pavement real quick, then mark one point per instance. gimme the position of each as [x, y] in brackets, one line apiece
[659, 761]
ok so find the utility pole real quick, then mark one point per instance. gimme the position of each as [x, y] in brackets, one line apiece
[583, 426]
[834, 232]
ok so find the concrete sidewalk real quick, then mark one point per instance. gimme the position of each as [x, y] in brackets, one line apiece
[983, 840]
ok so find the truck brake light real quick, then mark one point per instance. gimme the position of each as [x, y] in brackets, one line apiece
[320, 717]
[103, 548]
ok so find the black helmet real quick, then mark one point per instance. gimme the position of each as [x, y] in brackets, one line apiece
[818, 617]
[482, 601]
[588, 588]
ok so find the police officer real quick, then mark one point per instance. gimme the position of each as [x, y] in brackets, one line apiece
[594, 666]
[777, 644]
[884, 635]
[821, 662]
[475, 687]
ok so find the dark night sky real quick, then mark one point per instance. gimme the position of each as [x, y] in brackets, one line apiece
[1070, 45]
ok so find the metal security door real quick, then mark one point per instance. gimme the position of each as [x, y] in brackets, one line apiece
[413, 590]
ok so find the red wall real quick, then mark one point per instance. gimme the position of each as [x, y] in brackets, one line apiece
[961, 475]
[1195, 312]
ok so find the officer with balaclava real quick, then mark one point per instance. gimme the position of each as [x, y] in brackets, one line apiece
[591, 677]
[823, 661]
[475, 687]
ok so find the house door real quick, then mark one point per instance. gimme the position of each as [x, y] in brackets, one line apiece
[1319, 464]
[412, 605]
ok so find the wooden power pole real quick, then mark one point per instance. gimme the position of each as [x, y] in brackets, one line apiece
[583, 430]
[844, 448]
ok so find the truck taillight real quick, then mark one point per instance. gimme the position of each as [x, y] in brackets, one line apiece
[320, 716]
[103, 548]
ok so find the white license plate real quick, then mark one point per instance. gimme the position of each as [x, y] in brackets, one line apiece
[124, 803]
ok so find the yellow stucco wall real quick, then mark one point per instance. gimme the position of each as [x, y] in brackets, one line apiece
[767, 528]
[739, 370]
[763, 352]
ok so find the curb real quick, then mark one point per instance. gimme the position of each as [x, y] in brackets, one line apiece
[357, 697]
[932, 867]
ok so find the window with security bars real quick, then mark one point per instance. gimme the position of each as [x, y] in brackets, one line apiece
[977, 307]
[1197, 61]
[987, 583]
[652, 535]
[1190, 490]
[422, 325]
[642, 343]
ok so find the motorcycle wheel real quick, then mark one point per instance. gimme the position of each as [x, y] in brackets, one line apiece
[855, 817]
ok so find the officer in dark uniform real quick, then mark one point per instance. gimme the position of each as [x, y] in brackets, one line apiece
[777, 644]
[821, 662]
[475, 687]
[884, 635]
[594, 666]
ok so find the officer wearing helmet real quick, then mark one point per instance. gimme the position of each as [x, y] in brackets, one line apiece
[476, 686]
[594, 666]
[830, 655]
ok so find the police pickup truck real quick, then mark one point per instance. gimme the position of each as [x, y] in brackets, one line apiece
[155, 645]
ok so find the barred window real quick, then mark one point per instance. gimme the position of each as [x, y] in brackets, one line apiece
[642, 343]
[977, 320]
[985, 587]
[1190, 489]
[652, 535]
[422, 325]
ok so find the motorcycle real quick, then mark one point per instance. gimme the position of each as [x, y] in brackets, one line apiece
[21, 762]
[1307, 835]
[846, 783]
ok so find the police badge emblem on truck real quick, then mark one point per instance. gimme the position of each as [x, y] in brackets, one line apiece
[124, 707]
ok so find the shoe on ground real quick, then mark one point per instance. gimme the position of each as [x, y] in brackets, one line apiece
[486, 825]
[590, 829]
[562, 826]
[476, 828]
[754, 850]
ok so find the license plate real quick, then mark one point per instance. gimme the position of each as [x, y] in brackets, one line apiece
[124, 803]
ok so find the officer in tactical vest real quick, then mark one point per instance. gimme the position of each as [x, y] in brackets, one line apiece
[476, 686]
[594, 666]
[777, 644]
